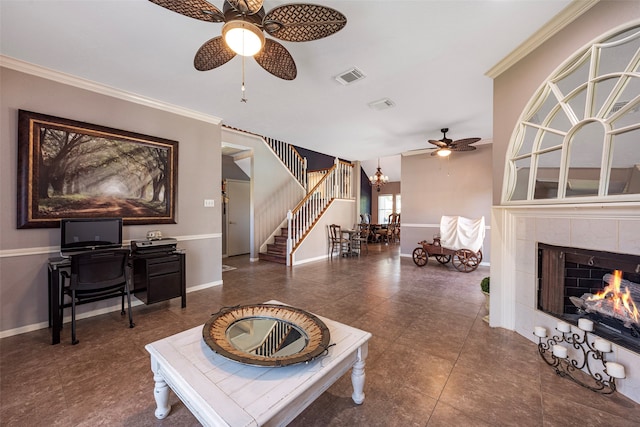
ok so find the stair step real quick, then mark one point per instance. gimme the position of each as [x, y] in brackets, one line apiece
[276, 249]
[273, 258]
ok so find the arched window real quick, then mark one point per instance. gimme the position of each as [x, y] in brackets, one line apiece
[578, 139]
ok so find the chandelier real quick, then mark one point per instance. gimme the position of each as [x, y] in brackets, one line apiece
[378, 179]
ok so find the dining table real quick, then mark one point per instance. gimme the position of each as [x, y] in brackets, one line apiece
[351, 235]
[376, 230]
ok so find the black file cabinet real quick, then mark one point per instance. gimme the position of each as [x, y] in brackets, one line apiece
[159, 276]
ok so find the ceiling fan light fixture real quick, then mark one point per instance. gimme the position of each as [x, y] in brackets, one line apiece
[243, 37]
[444, 152]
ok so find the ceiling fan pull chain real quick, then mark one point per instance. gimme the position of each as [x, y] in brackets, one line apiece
[243, 99]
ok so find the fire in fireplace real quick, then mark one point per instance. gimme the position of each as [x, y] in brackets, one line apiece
[603, 287]
[613, 305]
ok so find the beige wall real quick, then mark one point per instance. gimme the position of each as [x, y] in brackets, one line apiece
[315, 245]
[23, 253]
[433, 187]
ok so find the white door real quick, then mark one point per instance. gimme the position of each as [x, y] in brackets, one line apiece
[238, 214]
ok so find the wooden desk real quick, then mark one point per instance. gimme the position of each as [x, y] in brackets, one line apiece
[162, 281]
[55, 266]
[221, 392]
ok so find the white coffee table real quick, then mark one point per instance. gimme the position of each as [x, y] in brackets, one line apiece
[221, 392]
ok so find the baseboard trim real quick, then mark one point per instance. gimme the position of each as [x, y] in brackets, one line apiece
[204, 286]
[92, 313]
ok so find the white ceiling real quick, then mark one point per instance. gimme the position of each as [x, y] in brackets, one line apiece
[428, 57]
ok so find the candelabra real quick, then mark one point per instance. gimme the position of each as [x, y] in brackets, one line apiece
[589, 356]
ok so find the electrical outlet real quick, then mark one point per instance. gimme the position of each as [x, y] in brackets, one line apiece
[209, 203]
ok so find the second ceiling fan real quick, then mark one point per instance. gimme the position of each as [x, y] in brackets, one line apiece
[242, 32]
[447, 145]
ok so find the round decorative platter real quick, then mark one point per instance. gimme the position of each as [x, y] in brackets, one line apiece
[268, 335]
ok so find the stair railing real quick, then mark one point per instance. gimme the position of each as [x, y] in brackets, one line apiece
[273, 341]
[337, 183]
[290, 157]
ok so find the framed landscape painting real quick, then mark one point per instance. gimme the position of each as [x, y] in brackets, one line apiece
[70, 169]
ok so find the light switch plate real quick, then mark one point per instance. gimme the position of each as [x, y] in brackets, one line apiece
[209, 203]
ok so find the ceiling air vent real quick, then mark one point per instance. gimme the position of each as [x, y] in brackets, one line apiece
[350, 76]
[382, 104]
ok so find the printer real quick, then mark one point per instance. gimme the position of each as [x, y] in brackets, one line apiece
[165, 244]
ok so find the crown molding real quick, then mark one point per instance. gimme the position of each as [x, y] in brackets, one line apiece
[71, 80]
[551, 28]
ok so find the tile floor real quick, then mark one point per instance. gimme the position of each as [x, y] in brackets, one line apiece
[432, 360]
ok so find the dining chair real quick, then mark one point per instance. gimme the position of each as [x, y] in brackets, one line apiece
[338, 241]
[393, 229]
[362, 239]
[95, 276]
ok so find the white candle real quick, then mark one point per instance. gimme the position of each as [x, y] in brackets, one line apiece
[585, 325]
[602, 345]
[539, 331]
[560, 351]
[563, 327]
[615, 370]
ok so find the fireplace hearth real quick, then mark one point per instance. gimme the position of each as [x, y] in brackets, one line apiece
[575, 283]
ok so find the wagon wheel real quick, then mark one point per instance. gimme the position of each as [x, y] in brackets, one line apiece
[479, 253]
[420, 257]
[443, 259]
[465, 260]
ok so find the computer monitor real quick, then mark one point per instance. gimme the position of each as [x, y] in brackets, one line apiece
[86, 234]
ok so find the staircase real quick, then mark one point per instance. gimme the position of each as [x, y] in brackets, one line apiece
[277, 251]
[328, 184]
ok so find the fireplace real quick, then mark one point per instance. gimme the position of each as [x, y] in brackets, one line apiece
[598, 286]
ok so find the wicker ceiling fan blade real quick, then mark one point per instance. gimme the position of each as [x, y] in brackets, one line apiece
[462, 148]
[303, 22]
[438, 143]
[212, 54]
[277, 60]
[248, 7]
[466, 141]
[197, 9]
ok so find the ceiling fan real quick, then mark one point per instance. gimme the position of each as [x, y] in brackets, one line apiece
[447, 145]
[242, 32]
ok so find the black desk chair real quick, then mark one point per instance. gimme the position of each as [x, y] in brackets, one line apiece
[96, 276]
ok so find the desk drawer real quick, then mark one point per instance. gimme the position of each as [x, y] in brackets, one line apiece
[164, 266]
[159, 277]
[164, 287]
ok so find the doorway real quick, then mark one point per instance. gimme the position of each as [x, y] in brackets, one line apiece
[238, 230]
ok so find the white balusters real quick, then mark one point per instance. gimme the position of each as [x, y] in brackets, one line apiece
[335, 183]
[290, 157]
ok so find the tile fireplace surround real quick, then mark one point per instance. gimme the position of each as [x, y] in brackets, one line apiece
[517, 230]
